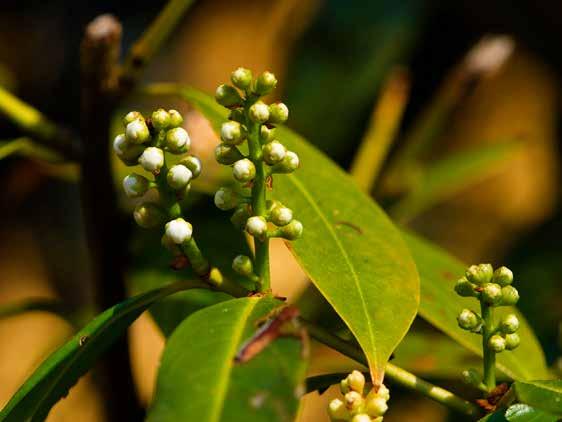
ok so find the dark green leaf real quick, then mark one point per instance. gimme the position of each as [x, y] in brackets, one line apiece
[200, 381]
[522, 413]
[543, 395]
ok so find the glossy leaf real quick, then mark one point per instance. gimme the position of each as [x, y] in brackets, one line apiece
[440, 306]
[350, 249]
[523, 413]
[200, 381]
[543, 395]
[60, 371]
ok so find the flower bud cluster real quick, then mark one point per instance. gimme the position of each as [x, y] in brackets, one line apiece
[357, 406]
[252, 122]
[145, 142]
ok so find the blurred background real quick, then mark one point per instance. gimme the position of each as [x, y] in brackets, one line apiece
[489, 109]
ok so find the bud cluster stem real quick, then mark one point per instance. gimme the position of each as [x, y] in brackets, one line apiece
[488, 329]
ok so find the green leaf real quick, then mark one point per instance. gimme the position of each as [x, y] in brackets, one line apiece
[440, 306]
[350, 249]
[199, 380]
[543, 395]
[60, 371]
[523, 413]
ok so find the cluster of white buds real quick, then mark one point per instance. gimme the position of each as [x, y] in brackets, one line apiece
[356, 406]
[493, 288]
[145, 142]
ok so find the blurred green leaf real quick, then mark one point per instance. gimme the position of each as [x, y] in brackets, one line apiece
[523, 413]
[62, 369]
[27, 148]
[200, 381]
[543, 395]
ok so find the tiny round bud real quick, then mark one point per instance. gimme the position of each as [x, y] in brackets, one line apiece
[244, 170]
[273, 152]
[227, 96]
[178, 176]
[480, 274]
[471, 377]
[240, 216]
[292, 231]
[383, 392]
[176, 119]
[149, 215]
[177, 140]
[509, 324]
[131, 116]
[237, 115]
[281, 216]
[491, 294]
[233, 133]
[152, 159]
[179, 231]
[256, 226]
[193, 164]
[376, 406]
[226, 199]
[344, 386]
[289, 164]
[503, 276]
[465, 288]
[227, 154]
[137, 131]
[160, 119]
[267, 134]
[242, 264]
[265, 83]
[353, 400]
[278, 113]
[135, 185]
[510, 296]
[356, 381]
[338, 411]
[125, 150]
[512, 341]
[241, 78]
[468, 320]
[496, 343]
[259, 112]
[361, 417]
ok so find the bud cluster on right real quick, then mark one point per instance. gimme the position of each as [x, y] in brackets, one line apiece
[356, 406]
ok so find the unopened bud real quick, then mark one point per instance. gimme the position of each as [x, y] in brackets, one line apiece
[465, 288]
[149, 215]
[127, 151]
[160, 119]
[240, 216]
[344, 386]
[193, 164]
[178, 176]
[137, 131]
[244, 170]
[227, 96]
[259, 112]
[135, 185]
[237, 115]
[480, 274]
[289, 164]
[233, 133]
[376, 406]
[226, 199]
[131, 116]
[468, 320]
[292, 231]
[353, 401]
[503, 276]
[510, 296]
[152, 159]
[179, 231]
[383, 392]
[273, 152]
[338, 411]
[176, 119]
[356, 381]
[512, 341]
[361, 417]
[242, 264]
[278, 113]
[267, 134]
[227, 154]
[256, 226]
[491, 294]
[177, 140]
[265, 83]
[241, 78]
[509, 324]
[496, 343]
[281, 216]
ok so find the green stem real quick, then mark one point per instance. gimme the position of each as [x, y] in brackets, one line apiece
[488, 329]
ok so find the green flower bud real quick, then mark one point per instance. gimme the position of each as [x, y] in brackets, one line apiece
[152, 159]
[278, 113]
[353, 401]
[137, 132]
[274, 152]
[469, 320]
[383, 392]
[256, 226]
[361, 417]
[281, 216]
[259, 112]
[193, 164]
[227, 154]
[512, 341]
[496, 343]
[267, 134]
[480, 274]
[289, 164]
[292, 231]
[227, 96]
[149, 215]
[356, 381]
[465, 288]
[344, 386]
[179, 231]
[127, 151]
[233, 133]
[376, 406]
[510, 296]
[237, 115]
[240, 216]
[242, 264]
[509, 324]
[160, 119]
[177, 140]
[244, 170]
[471, 377]
[135, 185]
[241, 78]
[176, 119]
[131, 116]
[265, 83]
[503, 276]
[178, 176]
[491, 294]
[226, 199]
[338, 411]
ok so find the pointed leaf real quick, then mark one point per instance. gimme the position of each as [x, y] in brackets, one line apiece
[543, 395]
[522, 413]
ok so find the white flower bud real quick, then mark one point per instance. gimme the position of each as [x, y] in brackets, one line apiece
[227, 154]
[177, 140]
[131, 116]
[512, 341]
[281, 216]
[356, 381]
[226, 199]
[135, 185]
[292, 231]
[126, 151]
[509, 324]
[256, 226]
[192, 163]
[491, 294]
[259, 112]
[160, 119]
[179, 231]
[361, 417]
[178, 176]
[383, 392]
[233, 133]
[289, 164]
[265, 83]
[242, 264]
[244, 170]
[152, 159]
[353, 401]
[278, 113]
[338, 411]
[376, 406]
[148, 215]
[496, 343]
[503, 276]
[273, 152]
[241, 78]
[176, 118]
[137, 132]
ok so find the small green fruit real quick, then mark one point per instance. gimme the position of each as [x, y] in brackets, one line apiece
[512, 341]
[510, 296]
[509, 324]
[469, 320]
